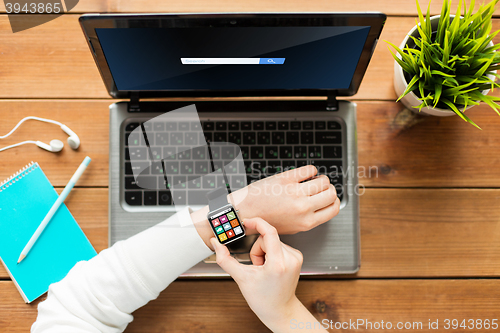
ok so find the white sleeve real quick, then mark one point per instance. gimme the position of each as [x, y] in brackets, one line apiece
[99, 295]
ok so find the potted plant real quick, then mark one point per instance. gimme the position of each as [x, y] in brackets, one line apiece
[447, 63]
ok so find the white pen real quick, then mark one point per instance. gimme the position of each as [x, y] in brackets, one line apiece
[54, 208]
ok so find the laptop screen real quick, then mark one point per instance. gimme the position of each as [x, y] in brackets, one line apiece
[232, 58]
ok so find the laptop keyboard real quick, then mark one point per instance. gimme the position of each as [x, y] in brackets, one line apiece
[268, 147]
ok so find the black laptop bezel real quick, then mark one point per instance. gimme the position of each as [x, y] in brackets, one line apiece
[90, 22]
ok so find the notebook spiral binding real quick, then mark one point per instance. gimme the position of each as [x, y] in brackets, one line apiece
[18, 175]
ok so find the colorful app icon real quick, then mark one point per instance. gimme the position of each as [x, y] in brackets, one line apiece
[223, 219]
[234, 222]
[226, 226]
[238, 230]
[230, 234]
[219, 229]
[216, 222]
[222, 237]
[231, 215]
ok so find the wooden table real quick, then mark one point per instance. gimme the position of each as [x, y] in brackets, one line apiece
[430, 218]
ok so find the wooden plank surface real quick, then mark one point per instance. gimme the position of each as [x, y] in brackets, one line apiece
[188, 306]
[390, 7]
[53, 61]
[404, 233]
[396, 148]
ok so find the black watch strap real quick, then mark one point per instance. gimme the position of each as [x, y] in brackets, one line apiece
[217, 198]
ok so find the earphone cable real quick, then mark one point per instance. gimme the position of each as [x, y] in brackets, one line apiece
[18, 144]
[29, 118]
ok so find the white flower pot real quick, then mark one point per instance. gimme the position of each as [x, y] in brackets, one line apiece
[400, 84]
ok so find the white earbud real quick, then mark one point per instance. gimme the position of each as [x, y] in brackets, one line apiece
[55, 145]
[73, 140]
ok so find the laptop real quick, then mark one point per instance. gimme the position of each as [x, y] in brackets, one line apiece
[307, 60]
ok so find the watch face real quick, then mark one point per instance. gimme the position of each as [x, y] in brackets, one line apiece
[226, 224]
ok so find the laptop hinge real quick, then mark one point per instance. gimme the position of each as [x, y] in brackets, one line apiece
[331, 101]
[133, 105]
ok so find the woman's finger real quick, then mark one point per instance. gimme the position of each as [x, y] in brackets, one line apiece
[326, 213]
[300, 174]
[257, 253]
[271, 243]
[323, 199]
[315, 186]
[225, 261]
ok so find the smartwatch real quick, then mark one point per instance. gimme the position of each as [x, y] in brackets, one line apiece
[223, 217]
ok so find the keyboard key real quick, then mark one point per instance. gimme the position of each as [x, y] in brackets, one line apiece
[314, 151]
[286, 152]
[295, 125]
[258, 125]
[169, 153]
[176, 138]
[202, 168]
[200, 153]
[292, 138]
[336, 179]
[234, 126]
[320, 125]
[274, 167]
[132, 139]
[215, 152]
[220, 137]
[161, 139]
[270, 125]
[164, 198]
[328, 137]
[156, 169]
[137, 167]
[246, 126]
[300, 152]
[230, 168]
[301, 163]
[146, 182]
[131, 126]
[257, 152]
[327, 166]
[187, 168]
[278, 138]
[195, 126]
[249, 138]
[194, 182]
[220, 126]
[237, 182]
[179, 197]
[149, 198]
[171, 126]
[179, 182]
[271, 152]
[208, 126]
[288, 165]
[333, 125]
[159, 127]
[234, 137]
[171, 168]
[332, 151]
[137, 154]
[209, 182]
[306, 138]
[133, 198]
[263, 138]
[283, 125]
[208, 137]
[183, 126]
[307, 125]
[245, 152]
[148, 126]
[190, 139]
[184, 155]
[227, 153]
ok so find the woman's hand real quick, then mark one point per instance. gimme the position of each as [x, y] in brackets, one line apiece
[269, 284]
[288, 203]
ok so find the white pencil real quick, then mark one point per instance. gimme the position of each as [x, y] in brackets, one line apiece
[54, 208]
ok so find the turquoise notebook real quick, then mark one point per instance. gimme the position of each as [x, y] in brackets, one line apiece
[25, 199]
